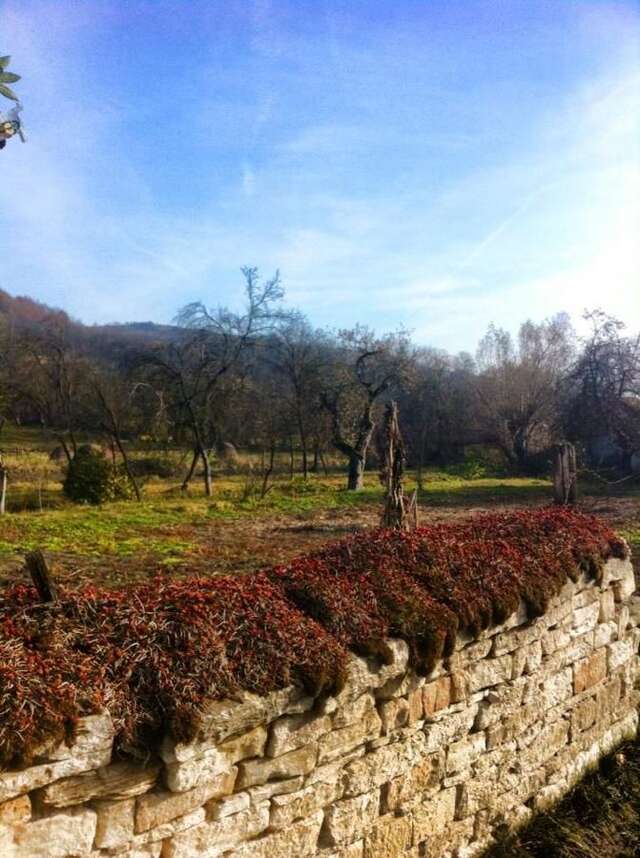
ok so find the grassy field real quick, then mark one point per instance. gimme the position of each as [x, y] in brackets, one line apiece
[185, 533]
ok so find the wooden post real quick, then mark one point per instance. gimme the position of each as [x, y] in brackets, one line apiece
[41, 576]
[392, 461]
[565, 477]
[3, 486]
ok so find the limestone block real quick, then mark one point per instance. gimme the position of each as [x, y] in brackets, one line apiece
[182, 777]
[450, 729]
[211, 839]
[401, 686]
[585, 597]
[338, 742]
[554, 639]
[69, 833]
[625, 587]
[583, 716]
[268, 790]
[297, 841]
[93, 733]
[394, 714]
[389, 837]
[219, 808]
[437, 695]
[363, 674]
[607, 699]
[500, 701]
[353, 850]
[477, 793]
[114, 825]
[461, 755]
[623, 619]
[615, 570]
[620, 652]
[168, 829]
[589, 671]
[556, 689]
[409, 788]
[607, 607]
[221, 719]
[489, 671]
[259, 771]
[13, 783]
[432, 816]
[229, 751]
[605, 633]
[117, 781]
[350, 819]
[384, 764]
[285, 809]
[15, 810]
[295, 731]
[354, 711]
[157, 808]
[581, 646]
[527, 659]
[585, 619]
[151, 850]
[517, 638]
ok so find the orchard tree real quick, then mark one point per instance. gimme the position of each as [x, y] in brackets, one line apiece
[519, 384]
[603, 390]
[213, 343]
[361, 370]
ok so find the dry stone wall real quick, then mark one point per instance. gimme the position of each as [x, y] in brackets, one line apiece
[395, 765]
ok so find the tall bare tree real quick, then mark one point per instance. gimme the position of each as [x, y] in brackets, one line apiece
[213, 343]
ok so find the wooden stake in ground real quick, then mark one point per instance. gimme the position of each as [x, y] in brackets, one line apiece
[565, 476]
[41, 576]
[392, 462]
[3, 486]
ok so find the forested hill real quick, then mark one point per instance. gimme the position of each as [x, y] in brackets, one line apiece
[28, 313]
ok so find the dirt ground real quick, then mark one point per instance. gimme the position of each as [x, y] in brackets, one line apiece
[237, 546]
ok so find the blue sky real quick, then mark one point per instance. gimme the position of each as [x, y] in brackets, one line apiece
[437, 165]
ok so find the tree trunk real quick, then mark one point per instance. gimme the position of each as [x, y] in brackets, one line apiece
[315, 465]
[292, 464]
[565, 478]
[3, 488]
[355, 480]
[206, 464]
[194, 462]
[127, 467]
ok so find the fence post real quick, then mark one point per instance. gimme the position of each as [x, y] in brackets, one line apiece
[565, 477]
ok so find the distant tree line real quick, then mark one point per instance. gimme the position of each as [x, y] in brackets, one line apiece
[265, 379]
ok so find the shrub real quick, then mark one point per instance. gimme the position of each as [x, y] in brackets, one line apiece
[91, 478]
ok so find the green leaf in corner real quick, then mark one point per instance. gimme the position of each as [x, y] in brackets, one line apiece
[4, 62]
[9, 77]
[8, 92]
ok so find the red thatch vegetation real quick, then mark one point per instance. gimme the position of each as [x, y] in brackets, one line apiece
[153, 653]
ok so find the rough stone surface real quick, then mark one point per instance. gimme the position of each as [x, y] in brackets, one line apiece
[120, 780]
[69, 833]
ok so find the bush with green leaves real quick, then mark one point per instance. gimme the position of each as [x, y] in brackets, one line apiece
[91, 478]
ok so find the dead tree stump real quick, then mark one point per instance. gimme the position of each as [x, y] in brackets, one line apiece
[565, 475]
[392, 462]
[41, 576]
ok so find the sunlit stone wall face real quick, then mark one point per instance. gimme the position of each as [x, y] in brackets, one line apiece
[395, 765]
